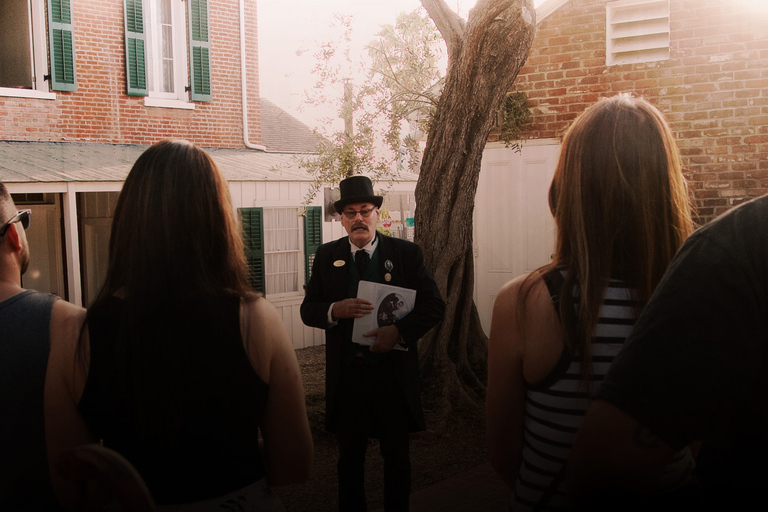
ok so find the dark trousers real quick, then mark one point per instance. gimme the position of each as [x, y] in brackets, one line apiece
[371, 402]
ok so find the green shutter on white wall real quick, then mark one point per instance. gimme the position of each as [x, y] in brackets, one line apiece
[199, 51]
[313, 237]
[253, 239]
[61, 45]
[135, 56]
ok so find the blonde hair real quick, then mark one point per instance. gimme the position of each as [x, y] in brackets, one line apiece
[621, 206]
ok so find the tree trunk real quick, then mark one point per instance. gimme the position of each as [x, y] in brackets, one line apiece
[485, 55]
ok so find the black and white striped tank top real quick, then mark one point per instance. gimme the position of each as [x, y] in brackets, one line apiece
[555, 408]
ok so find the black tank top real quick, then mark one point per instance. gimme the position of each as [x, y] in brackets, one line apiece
[25, 319]
[213, 448]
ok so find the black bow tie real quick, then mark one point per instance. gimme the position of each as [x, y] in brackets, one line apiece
[361, 261]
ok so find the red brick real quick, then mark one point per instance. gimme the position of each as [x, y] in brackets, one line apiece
[762, 174]
[756, 139]
[711, 89]
[99, 111]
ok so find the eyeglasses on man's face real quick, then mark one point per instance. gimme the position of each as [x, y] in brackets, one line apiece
[365, 213]
[22, 216]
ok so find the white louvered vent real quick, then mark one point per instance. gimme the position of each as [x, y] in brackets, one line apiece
[637, 31]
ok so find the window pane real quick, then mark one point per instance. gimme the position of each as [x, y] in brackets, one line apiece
[167, 45]
[15, 56]
[167, 75]
[165, 12]
[165, 40]
[282, 246]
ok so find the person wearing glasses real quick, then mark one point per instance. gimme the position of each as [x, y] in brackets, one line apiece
[182, 368]
[371, 391]
[33, 326]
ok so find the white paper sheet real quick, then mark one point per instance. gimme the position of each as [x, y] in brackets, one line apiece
[390, 303]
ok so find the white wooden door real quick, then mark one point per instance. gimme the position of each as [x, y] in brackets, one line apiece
[514, 229]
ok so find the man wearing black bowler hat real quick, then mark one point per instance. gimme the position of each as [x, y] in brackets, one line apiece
[371, 391]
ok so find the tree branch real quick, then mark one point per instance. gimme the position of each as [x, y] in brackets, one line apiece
[486, 11]
[450, 24]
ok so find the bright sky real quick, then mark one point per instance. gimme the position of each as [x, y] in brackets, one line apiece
[287, 25]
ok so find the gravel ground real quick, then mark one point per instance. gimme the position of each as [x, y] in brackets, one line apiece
[433, 457]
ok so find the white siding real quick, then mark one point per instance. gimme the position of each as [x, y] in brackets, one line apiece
[514, 230]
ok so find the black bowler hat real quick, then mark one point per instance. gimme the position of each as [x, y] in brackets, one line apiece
[356, 189]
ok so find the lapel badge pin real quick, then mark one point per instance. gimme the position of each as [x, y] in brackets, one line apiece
[388, 265]
[339, 263]
[387, 277]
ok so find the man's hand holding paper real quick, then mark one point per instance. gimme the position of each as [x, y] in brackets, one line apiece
[351, 308]
[386, 338]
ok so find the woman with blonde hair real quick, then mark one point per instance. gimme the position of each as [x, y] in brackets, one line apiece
[181, 364]
[622, 210]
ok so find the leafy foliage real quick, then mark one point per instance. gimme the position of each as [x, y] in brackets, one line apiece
[396, 83]
[383, 214]
[406, 68]
[515, 114]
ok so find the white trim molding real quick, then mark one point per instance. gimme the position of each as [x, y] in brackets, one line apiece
[547, 8]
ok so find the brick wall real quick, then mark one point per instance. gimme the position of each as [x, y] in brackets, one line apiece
[101, 111]
[713, 89]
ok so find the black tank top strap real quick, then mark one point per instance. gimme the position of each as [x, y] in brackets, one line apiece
[554, 280]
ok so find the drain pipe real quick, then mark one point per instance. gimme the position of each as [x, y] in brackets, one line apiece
[247, 142]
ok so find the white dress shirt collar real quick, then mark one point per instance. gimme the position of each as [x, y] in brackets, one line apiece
[369, 247]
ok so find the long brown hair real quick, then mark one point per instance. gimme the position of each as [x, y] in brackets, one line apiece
[174, 245]
[621, 206]
[174, 232]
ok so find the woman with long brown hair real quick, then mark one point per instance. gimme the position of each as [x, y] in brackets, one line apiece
[181, 364]
[622, 211]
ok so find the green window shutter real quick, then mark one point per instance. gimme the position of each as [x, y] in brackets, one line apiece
[313, 237]
[61, 45]
[253, 239]
[199, 51]
[135, 56]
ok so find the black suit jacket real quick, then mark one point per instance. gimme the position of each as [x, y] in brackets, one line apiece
[329, 284]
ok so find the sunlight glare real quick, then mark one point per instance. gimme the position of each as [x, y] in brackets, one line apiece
[760, 6]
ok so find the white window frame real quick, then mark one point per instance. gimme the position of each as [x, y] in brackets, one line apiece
[637, 31]
[179, 98]
[274, 246]
[39, 46]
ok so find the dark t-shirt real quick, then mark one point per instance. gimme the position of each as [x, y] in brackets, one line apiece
[205, 444]
[695, 366]
[25, 321]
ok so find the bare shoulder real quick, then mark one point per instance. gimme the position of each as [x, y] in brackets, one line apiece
[261, 312]
[66, 315]
[66, 324]
[507, 326]
[264, 334]
[525, 319]
[530, 288]
[66, 328]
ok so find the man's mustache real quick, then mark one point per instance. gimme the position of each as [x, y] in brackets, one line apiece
[360, 225]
